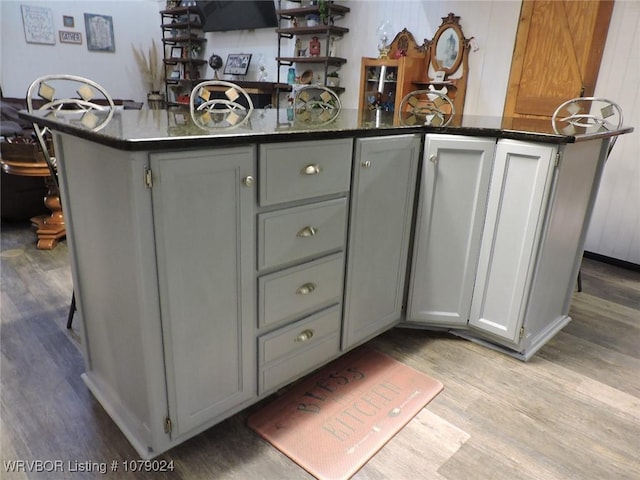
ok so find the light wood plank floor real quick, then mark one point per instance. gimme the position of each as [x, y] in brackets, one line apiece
[572, 412]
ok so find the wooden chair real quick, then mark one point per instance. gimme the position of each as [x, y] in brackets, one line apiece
[587, 115]
[92, 108]
[315, 105]
[210, 110]
[426, 107]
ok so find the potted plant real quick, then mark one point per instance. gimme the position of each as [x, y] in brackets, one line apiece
[333, 79]
[150, 67]
[323, 10]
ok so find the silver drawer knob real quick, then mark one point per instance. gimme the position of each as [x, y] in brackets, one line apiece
[433, 158]
[304, 336]
[366, 164]
[310, 170]
[248, 181]
[307, 232]
[306, 289]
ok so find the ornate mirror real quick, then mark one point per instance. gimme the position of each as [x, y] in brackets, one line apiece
[447, 46]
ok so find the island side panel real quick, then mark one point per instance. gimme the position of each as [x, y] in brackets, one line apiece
[109, 229]
[578, 174]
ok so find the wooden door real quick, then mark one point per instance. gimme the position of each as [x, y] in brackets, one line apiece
[557, 56]
[453, 202]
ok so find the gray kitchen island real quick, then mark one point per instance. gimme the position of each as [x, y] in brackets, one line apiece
[213, 267]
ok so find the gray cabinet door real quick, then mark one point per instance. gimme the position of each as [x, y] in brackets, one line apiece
[453, 202]
[520, 186]
[205, 240]
[384, 181]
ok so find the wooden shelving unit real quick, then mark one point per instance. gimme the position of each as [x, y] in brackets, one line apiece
[181, 29]
[292, 24]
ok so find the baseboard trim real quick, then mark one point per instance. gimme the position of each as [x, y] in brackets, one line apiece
[612, 261]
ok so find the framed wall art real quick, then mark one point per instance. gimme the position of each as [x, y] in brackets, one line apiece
[68, 21]
[38, 25]
[99, 30]
[237, 64]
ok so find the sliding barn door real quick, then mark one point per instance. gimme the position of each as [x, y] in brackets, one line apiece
[557, 56]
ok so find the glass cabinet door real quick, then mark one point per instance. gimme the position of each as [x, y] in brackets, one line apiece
[380, 87]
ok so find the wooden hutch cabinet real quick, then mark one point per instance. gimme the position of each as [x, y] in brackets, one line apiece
[385, 81]
[440, 64]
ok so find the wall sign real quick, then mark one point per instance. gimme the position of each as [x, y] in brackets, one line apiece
[38, 25]
[70, 37]
[99, 30]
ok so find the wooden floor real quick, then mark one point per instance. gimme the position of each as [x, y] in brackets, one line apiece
[572, 412]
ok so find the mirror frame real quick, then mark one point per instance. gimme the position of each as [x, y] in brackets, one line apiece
[450, 21]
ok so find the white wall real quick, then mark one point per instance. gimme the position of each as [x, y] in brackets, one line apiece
[615, 227]
[615, 224]
[134, 22]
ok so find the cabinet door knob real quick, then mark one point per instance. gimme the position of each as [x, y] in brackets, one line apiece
[433, 158]
[306, 289]
[304, 335]
[366, 164]
[310, 170]
[307, 232]
[248, 181]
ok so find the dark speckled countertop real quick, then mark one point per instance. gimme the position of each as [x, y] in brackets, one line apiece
[138, 130]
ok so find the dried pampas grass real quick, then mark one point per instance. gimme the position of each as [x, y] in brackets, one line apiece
[150, 67]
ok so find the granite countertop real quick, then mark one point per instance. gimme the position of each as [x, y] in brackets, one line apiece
[138, 130]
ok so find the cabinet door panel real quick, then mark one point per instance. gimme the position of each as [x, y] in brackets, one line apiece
[455, 183]
[520, 184]
[205, 235]
[381, 214]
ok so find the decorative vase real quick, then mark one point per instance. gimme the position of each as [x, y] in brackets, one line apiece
[155, 100]
[314, 47]
[312, 20]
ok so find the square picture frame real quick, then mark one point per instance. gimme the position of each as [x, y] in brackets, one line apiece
[68, 21]
[38, 25]
[176, 52]
[237, 64]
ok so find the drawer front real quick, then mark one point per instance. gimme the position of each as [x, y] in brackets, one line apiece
[301, 290]
[280, 374]
[301, 232]
[299, 336]
[298, 348]
[298, 170]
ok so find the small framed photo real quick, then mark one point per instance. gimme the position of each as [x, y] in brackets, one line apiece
[174, 75]
[176, 52]
[237, 64]
[179, 119]
[67, 21]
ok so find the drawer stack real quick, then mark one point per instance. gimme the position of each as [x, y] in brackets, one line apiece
[301, 243]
